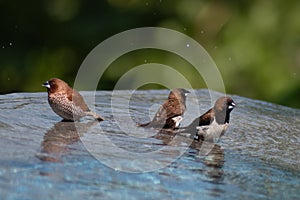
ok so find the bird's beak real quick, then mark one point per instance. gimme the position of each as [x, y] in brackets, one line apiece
[46, 84]
[186, 92]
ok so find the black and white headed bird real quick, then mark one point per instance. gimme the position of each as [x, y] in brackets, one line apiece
[214, 123]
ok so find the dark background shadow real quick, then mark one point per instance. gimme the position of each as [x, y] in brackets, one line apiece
[255, 44]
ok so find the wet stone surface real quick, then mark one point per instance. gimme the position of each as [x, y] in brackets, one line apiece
[42, 157]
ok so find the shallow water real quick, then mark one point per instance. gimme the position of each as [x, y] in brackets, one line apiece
[41, 157]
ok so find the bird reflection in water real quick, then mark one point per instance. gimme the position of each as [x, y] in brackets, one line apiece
[209, 154]
[58, 139]
[215, 156]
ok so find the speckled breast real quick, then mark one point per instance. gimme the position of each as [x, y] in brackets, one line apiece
[65, 108]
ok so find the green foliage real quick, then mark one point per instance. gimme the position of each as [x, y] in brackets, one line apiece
[255, 44]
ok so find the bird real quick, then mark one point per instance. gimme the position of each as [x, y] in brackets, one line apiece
[170, 114]
[67, 102]
[213, 123]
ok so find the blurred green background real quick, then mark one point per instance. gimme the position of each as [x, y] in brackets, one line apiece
[255, 44]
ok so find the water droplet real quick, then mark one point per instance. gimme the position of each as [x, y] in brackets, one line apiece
[187, 45]
[10, 44]
[3, 47]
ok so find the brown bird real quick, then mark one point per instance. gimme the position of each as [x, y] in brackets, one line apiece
[67, 102]
[214, 123]
[170, 114]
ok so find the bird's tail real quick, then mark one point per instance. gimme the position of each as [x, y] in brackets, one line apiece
[95, 115]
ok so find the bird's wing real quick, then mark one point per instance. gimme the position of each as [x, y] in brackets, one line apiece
[173, 108]
[206, 118]
[160, 116]
[78, 100]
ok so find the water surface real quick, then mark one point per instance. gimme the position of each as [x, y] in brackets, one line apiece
[41, 157]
